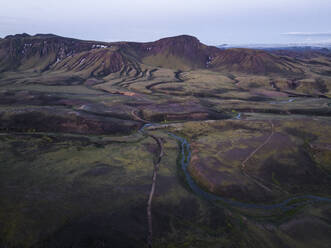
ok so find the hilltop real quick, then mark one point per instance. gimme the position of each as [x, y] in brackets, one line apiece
[51, 52]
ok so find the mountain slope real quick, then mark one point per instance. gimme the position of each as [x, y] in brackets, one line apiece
[23, 52]
[180, 52]
[52, 53]
[252, 61]
[90, 58]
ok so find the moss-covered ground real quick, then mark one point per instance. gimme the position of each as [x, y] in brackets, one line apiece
[76, 172]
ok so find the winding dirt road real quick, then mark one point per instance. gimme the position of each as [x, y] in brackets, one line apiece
[154, 178]
[151, 194]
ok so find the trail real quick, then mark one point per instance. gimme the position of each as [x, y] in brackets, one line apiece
[177, 77]
[283, 205]
[151, 194]
[154, 178]
[185, 160]
[137, 118]
[243, 164]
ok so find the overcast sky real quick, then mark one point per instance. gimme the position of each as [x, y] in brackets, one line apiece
[212, 21]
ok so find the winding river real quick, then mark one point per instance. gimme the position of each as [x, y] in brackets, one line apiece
[185, 160]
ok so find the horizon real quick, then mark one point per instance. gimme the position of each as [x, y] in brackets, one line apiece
[213, 22]
[325, 44]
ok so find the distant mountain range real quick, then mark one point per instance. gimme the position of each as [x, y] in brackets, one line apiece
[279, 46]
[48, 52]
[300, 50]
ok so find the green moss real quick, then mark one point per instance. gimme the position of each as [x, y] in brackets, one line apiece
[274, 180]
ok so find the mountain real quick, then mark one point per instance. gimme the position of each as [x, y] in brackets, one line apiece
[20, 52]
[52, 52]
[48, 52]
[180, 52]
[301, 52]
[252, 61]
[305, 51]
[278, 46]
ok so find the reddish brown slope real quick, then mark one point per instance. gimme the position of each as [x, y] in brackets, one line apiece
[186, 48]
[51, 52]
[37, 52]
[252, 61]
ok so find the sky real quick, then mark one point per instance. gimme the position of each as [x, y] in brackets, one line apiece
[213, 22]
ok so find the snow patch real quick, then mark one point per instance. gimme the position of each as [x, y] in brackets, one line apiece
[82, 61]
[25, 47]
[96, 46]
[209, 60]
[57, 61]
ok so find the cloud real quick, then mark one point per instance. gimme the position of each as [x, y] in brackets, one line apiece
[308, 34]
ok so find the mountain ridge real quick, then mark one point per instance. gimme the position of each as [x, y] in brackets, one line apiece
[43, 52]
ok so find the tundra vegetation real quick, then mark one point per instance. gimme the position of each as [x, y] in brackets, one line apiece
[239, 141]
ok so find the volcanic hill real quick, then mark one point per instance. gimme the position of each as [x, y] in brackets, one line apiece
[44, 52]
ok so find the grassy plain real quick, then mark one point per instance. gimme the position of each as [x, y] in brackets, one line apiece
[76, 172]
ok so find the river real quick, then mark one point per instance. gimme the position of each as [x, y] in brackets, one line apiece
[185, 160]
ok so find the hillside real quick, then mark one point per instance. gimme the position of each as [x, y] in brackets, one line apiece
[158, 66]
[180, 52]
[24, 52]
[252, 61]
[51, 52]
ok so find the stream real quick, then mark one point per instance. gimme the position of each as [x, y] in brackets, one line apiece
[185, 160]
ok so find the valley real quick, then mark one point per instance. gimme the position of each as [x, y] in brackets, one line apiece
[170, 143]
